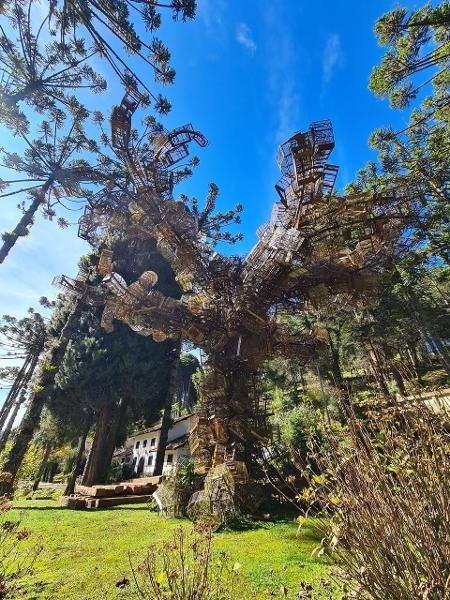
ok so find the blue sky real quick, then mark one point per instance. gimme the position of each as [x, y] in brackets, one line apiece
[249, 74]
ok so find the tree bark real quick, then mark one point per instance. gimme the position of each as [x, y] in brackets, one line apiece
[335, 366]
[30, 421]
[426, 330]
[7, 431]
[435, 343]
[100, 455]
[322, 393]
[70, 486]
[47, 450]
[166, 417]
[13, 392]
[412, 353]
[19, 400]
[394, 369]
[398, 379]
[378, 370]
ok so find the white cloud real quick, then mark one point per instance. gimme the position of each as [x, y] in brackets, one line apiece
[212, 15]
[244, 37]
[333, 57]
[282, 66]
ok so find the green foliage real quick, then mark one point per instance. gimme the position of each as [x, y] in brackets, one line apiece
[4, 453]
[99, 368]
[31, 463]
[87, 552]
[436, 378]
[298, 412]
[184, 568]
[415, 42]
[115, 471]
[184, 473]
[384, 481]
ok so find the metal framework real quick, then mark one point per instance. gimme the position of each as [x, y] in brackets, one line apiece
[316, 247]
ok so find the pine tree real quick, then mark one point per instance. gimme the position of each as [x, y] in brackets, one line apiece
[20, 339]
[62, 328]
[53, 168]
[44, 60]
[117, 377]
[38, 73]
[418, 53]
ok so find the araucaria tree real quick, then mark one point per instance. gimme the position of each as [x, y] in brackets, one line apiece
[48, 54]
[20, 339]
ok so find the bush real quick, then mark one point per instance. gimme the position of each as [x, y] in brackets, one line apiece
[184, 569]
[115, 474]
[16, 558]
[386, 483]
[30, 465]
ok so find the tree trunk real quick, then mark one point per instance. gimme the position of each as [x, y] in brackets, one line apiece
[435, 343]
[398, 379]
[100, 455]
[47, 450]
[394, 369]
[70, 486]
[166, 417]
[322, 393]
[13, 392]
[30, 421]
[426, 330]
[7, 431]
[20, 229]
[24, 381]
[378, 370]
[335, 366]
[412, 353]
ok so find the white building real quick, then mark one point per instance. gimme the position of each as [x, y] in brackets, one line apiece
[144, 445]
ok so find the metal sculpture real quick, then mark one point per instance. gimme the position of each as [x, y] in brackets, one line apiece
[317, 246]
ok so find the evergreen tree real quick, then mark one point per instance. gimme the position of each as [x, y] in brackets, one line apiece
[39, 73]
[43, 61]
[61, 328]
[116, 377]
[418, 53]
[20, 339]
[52, 168]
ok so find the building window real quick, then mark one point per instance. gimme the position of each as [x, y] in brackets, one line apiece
[144, 444]
[169, 459]
[152, 442]
[137, 444]
[150, 460]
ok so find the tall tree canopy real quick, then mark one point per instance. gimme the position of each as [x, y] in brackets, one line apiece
[49, 61]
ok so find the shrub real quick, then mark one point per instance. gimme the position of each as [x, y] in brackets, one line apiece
[184, 568]
[386, 484]
[16, 557]
[115, 474]
[30, 465]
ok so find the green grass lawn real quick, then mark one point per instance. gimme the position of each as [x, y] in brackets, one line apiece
[86, 552]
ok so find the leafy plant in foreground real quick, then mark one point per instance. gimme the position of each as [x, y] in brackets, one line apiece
[385, 482]
[184, 568]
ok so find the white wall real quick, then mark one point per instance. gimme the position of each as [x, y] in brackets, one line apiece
[149, 451]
